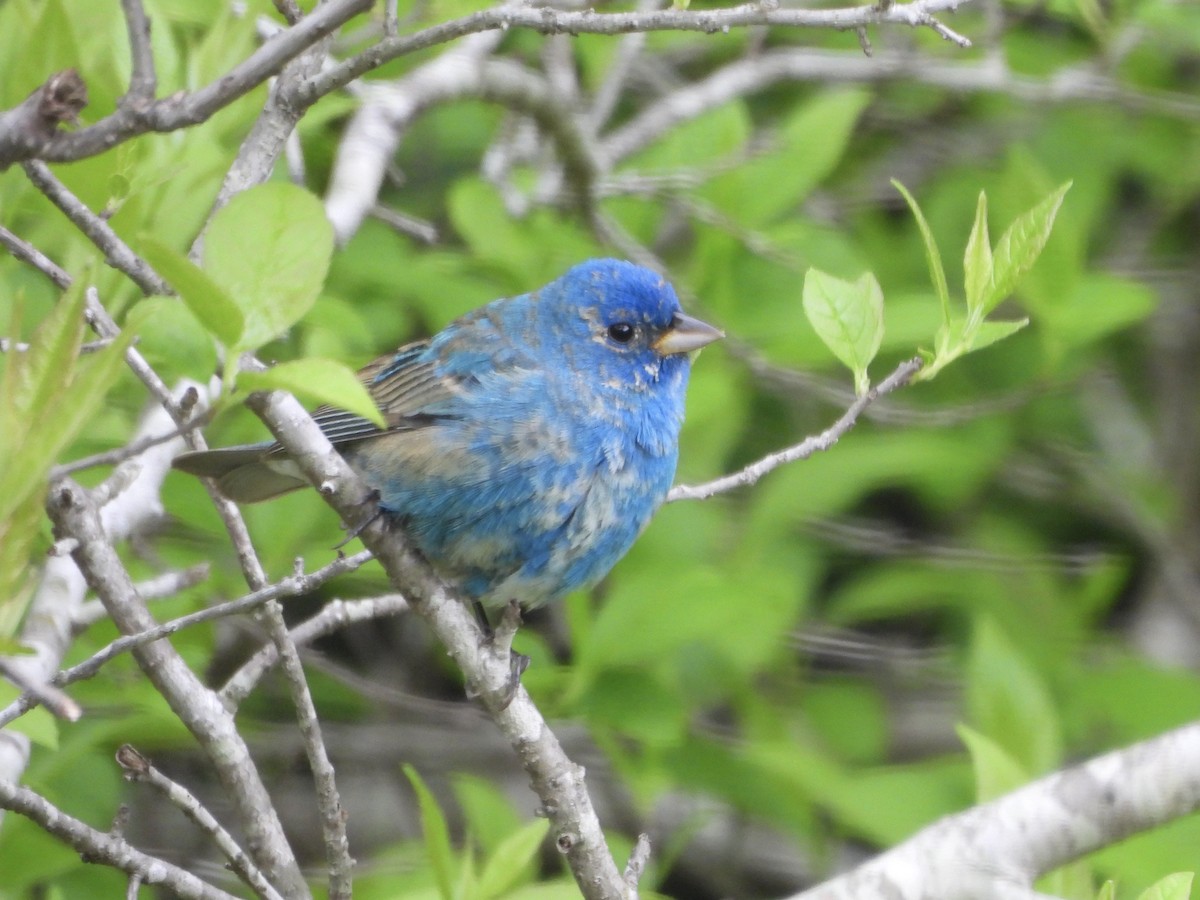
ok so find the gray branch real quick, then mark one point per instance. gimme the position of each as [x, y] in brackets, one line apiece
[21, 139]
[75, 516]
[98, 846]
[806, 448]
[138, 768]
[291, 586]
[998, 849]
[545, 20]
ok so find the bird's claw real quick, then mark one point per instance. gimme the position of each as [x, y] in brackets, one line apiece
[498, 642]
[374, 511]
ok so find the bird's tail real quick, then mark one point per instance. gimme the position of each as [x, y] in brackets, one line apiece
[244, 474]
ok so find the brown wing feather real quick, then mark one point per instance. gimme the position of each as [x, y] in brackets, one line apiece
[407, 388]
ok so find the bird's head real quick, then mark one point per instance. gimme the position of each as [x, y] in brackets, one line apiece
[625, 322]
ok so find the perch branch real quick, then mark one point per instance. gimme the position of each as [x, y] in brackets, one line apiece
[752, 473]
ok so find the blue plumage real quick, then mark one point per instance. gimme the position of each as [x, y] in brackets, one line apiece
[529, 442]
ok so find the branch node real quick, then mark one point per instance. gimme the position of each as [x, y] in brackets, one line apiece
[65, 547]
[864, 40]
[119, 822]
[62, 98]
[117, 483]
[134, 765]
[565, 842]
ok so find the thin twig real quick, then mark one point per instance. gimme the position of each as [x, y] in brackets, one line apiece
[137, 767]
[27, 253]
[409, 226]
[329, 801]
[752, 473]
[638, 858]
[334, 616]
[134, 448]
[546, 20]
[98, 846]
[291, 586]
[116, 252]
[74, 514]
[187, 108]
[143, 82]
[168, 584]
[46, 695]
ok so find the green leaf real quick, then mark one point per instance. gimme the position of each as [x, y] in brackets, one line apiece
[1174, 887]
[1100, 304]
[848, 317]
[1020, 246]
[207, 300]
[1108, 891]
[319, 380]
[937, 274]
[977, 261]
[38, 724]
[511, 862]
[48, 395]
[765, 187]
[1009, 702]
[996, 772]
[172, 338]
[437, 834]
[269, 248]
[989, 332]
[36, 378]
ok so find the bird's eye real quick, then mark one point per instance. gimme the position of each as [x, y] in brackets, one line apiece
[621, 332]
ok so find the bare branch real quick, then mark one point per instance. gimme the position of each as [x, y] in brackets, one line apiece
[74, 514]
[130, 450]
[290, 10]
[334, 616]
[184, 108]
[116, 252]
[269, 136]
[143, 82]
[26, 130]
[98, 846]
[291, 586]
[806, 448]
[544, 20]
[997, 849]
[329, 801]
[27, 253]
[138, 768]
[410, 226]
[41, 693]
[746, 76]
[638, 858]
[159, 587]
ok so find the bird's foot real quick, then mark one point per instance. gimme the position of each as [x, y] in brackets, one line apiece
[497, 642]
[373, 512]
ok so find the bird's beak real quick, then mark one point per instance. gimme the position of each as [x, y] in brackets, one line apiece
[686, 335]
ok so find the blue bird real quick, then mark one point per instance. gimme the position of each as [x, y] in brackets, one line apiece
[528, 443]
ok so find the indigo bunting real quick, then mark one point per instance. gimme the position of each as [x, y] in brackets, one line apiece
[528, 443]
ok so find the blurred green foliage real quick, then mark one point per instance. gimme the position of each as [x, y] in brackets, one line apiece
[980, 553]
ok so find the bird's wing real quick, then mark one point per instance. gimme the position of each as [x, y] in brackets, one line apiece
[404, 385]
